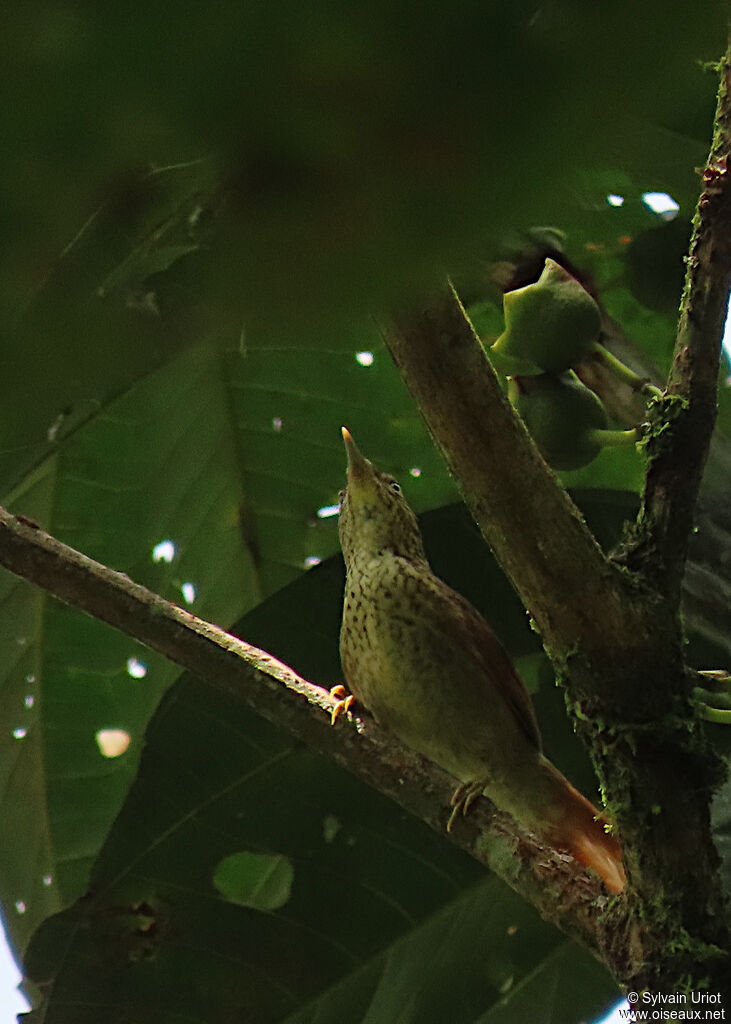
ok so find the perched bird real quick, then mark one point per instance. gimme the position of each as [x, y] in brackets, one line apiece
[426, 664]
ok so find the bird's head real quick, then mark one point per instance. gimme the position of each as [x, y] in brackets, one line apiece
[374, 516]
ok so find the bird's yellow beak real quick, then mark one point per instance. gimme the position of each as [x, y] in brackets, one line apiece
[360, 469]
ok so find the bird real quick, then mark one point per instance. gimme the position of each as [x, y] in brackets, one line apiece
[426, 664]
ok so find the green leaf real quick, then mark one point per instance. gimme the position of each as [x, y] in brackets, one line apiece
[370, 905]
[81, 342]
[228, 456]
[257, 880]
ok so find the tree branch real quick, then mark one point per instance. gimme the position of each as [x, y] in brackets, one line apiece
[683, 421]
[554, 883]
[523, 512]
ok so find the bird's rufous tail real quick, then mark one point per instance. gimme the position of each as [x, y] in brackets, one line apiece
[578, 827]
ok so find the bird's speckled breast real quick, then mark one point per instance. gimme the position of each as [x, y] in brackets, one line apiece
[398, 665]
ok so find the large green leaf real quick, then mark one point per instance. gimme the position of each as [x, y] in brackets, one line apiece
[385, 921]
[108, 490]
[92, 327]
[226, 456]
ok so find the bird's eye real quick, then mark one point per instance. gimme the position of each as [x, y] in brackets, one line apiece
[395, 487]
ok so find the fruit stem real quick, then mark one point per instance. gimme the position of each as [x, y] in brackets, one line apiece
[717, 715]
[641, 384]
[719, 701]
[612, 438]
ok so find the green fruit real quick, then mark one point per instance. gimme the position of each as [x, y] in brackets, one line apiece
[549, 326]
[566, 420]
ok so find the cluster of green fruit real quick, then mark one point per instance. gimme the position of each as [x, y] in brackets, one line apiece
[550, 327]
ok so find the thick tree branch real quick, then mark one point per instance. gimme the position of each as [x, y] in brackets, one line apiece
[554, 883]
[524, 514]
[683, 421]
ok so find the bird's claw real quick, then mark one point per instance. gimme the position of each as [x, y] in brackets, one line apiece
[343, 704]
[463, 798]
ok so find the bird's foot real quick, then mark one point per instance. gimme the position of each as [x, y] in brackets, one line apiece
[463, 798]
[343, 704]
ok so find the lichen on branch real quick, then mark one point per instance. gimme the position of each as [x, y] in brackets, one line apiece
[682, 422]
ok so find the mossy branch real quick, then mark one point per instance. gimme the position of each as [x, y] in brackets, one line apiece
[682, 422]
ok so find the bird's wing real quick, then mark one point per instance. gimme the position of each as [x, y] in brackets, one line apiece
[468, 626]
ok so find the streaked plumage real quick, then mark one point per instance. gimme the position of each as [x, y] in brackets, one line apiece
[427, 665]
